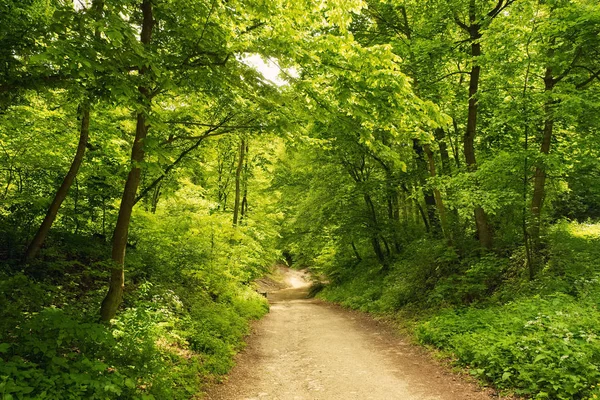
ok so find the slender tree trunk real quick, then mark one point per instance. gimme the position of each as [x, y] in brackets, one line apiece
[244, 205]
[238, 174]
[76, 207]
[440, 137]
[421, 212]
[374, 228]
[539, 183]
[155, 197]
[454, 146]
[428, 195]
[114, 297]
[62, 192]
[356, 253]
[387, 246]
[436, 193]
[484, 233]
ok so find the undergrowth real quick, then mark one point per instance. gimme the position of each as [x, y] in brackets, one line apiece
[534, 338]
[181, 323]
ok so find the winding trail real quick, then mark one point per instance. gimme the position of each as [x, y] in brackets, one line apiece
[309, 350]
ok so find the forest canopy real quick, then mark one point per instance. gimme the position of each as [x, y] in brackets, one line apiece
[436, 159]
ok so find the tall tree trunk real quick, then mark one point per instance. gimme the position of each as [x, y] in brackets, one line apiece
[62, 192]
[437, 195]
[406, 207]
[114, 297]
[452, 219]
[484, 233]
[539, 183]
[440, 137]
[244, 205]
[374, 229]
[356, 253]
[421, 212]
[238, 174]
[428, 195]
[155, 197]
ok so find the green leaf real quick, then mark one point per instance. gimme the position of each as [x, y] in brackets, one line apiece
[540, 357]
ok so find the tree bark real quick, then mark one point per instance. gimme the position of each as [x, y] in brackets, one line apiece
[114, 296]
[440, 137]
[436, 193]
[374, 228]
[539, 183]
[484, 233]
[244, 205]
[356, 253]
[238, 174]
[155, 197]
[61, 194]
[430, 202]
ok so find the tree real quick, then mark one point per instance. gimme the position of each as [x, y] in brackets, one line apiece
[61, 194]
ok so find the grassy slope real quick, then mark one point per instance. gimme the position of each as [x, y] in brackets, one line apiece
[172, 335]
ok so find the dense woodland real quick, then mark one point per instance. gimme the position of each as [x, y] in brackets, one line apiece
[435, 161]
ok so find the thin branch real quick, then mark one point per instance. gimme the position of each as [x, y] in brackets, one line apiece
[171, 166]
[499, 8]
[593, 75]
[463, 26]
[193, 123]
[569, 68]
[449, 75]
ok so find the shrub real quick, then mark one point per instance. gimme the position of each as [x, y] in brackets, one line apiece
[543, 347]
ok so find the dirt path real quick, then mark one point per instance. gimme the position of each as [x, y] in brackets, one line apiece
[307, 349]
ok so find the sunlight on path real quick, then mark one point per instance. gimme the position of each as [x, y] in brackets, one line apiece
[306, 349]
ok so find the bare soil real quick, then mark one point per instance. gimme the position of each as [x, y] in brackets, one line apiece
[308, 349]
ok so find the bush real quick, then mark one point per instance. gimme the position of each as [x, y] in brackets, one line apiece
[543, 347]
[158, 348]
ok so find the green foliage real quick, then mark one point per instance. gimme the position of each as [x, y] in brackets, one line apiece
[187, 308]
[155, 349]
[163, 345]
[545, 347]
[537, 338]
[355, 167]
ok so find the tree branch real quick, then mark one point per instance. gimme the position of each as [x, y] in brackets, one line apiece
[463, 26]
[593, 75]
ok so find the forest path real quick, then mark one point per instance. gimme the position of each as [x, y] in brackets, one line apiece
[308, 349]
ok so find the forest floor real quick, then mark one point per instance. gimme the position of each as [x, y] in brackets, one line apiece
[308, 349]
